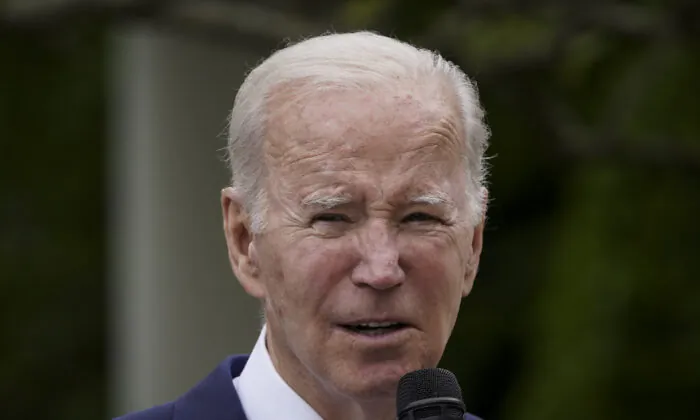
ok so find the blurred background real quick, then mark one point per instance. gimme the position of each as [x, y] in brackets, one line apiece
[115, 291]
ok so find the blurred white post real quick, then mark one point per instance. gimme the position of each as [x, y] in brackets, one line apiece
[176, 308]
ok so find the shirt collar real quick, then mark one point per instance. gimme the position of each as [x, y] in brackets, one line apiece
[264, 394]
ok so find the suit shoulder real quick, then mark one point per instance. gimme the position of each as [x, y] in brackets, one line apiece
[161, 412]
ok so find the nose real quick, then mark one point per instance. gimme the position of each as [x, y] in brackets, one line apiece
[379, 266]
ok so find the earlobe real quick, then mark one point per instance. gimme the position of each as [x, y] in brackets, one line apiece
[240, 242]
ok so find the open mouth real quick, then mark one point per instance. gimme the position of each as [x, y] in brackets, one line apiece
[375, 328]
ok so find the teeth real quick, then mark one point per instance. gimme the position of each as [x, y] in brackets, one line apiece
[377, 324]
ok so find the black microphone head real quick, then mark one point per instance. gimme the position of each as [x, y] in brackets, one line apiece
[427, 384]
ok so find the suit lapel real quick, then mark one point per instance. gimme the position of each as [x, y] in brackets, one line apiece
[215, 397]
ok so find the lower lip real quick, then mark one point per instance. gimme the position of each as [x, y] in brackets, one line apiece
[388, 337]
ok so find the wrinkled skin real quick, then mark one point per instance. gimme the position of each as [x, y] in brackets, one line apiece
[350, 236]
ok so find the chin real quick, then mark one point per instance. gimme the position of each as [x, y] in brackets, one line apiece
[374, 381]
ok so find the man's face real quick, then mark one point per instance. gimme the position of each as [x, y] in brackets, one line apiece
[367, 223]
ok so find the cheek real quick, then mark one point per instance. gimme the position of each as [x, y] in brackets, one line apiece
[304, 275]
[435, 266]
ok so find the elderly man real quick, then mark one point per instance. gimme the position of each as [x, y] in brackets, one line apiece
[356, 217]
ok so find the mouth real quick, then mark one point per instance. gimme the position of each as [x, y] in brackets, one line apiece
[374, 329]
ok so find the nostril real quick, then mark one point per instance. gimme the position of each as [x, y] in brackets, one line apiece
[378, 276]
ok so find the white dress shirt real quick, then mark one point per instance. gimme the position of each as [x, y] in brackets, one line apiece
[264, 394]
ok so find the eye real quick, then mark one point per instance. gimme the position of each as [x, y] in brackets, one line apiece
[331, 218]
[420, 217]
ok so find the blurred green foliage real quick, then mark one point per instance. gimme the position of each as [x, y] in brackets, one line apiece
[52, 280]
[588, 300]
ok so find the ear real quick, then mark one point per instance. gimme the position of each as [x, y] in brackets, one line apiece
[240, 242]
[476, 246]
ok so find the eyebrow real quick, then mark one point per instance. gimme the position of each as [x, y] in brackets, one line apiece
[325, 201]
[436, 198]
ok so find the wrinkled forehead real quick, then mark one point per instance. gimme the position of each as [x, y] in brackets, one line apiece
[372, 122]
[384, 142]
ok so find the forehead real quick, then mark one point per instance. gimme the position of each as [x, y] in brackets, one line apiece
[409, 138]
[302, 116]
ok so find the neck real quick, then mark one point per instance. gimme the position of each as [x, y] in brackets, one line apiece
[327, 403]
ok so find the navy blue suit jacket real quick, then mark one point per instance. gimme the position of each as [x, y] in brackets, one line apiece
[214, 398]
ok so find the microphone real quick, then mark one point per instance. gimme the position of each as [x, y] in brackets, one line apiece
[429, 394]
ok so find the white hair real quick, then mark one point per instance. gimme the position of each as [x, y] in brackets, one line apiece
[349, 60]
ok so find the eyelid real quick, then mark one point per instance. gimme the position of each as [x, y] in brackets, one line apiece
[424, 213]
[340, 217]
